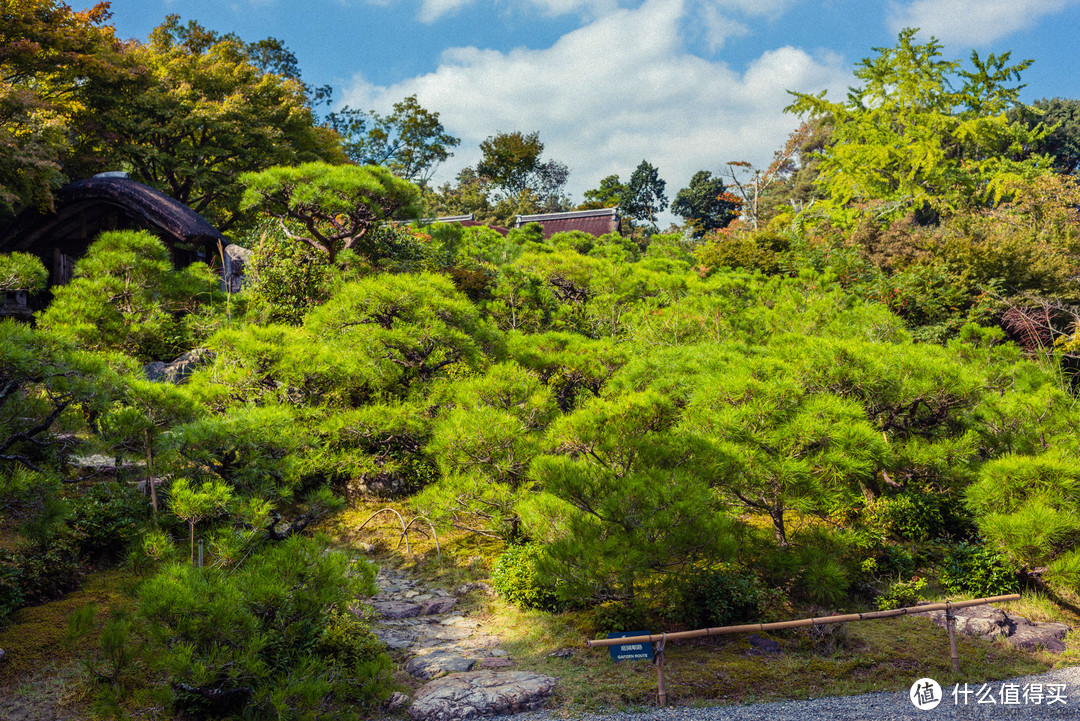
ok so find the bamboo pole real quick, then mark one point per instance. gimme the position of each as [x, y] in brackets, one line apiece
[759, 627]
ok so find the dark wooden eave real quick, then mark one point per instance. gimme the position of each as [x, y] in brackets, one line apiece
[85, 207]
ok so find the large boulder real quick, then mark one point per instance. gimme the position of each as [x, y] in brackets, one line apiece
[178, 370]
[468, 695]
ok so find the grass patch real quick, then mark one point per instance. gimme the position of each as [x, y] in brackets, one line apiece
[34, 638]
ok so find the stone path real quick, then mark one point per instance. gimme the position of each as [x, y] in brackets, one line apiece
[451, 651]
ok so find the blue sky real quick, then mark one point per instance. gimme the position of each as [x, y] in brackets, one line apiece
[686, 84]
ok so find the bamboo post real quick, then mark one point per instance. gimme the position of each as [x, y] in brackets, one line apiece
[658, 654]
[950, 622]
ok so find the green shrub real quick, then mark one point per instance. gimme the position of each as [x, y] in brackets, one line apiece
[48, 570]
[11, 595]
[620, 616]
[515, 578]
[721, 596]
[108, 518]
[913, 516]
[977, 570]
[269, 633]
[824, 581]
[901, 594]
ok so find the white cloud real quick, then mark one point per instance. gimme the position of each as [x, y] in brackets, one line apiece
[613, 92]
[718, 27]
[432, 10]
[972, 22]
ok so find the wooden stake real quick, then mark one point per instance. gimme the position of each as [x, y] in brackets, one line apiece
[659, 656]
[950, 621]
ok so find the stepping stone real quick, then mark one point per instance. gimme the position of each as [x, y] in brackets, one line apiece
[496, 663]
[465, 695]
[397, 609]
[478, 586]
[394, 639]
[438, 663]
[443, 604]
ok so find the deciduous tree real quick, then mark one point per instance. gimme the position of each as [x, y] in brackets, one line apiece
[922, 133]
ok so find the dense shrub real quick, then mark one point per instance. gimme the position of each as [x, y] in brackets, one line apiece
[901, 594]
[907, 516]
[977, 570]
[11, 595]
[620, 616]
[723, 595]
[107, 518]
[48, 570]
[515, 578]
[268, 635]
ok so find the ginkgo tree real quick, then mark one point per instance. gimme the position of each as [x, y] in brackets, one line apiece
[922, 133]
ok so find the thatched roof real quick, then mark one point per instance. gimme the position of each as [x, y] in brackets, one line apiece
[86, 207]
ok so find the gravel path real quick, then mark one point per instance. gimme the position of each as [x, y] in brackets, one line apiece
[869, 707]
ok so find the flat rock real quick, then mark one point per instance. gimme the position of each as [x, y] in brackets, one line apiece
[495, 663]
[467, 695]
[988, 622]
[438, 663]
[760, 645]
[395, 639]
[397, 609]
[442, 604]
[1036, 636]
[469, 587]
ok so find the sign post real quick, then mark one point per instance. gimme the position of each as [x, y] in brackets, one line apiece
[638, 651]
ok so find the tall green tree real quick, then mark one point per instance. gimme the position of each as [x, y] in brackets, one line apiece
[644, 196]
[606, 195]
[922, 133]
[512, 163]
[1061, 118]
[411, 141]
[705, 204]
[201, 111]
[51, 59]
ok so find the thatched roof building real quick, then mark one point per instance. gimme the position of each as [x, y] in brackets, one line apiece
[110, 201]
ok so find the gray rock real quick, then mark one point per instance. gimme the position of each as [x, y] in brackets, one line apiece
[561, 653]
[503, 652]
[395, 639]
[470, 587]
[988, 622]
[178, 370]
[760, 645]
[1036, 636]
[396, 702]
[465, 695]
[438, 663]
[396, 609]
[443, 604]
[496, 663]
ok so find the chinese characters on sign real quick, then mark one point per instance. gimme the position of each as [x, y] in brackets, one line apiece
[1011, 694]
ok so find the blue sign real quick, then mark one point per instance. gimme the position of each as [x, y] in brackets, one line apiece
[631, 651]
